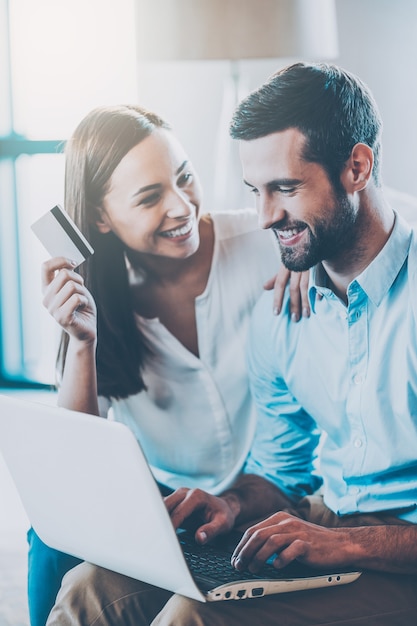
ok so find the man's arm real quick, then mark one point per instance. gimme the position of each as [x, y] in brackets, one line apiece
[390, 548]
[384, 548]
[251, 497]
[286, 439]
[280, 467]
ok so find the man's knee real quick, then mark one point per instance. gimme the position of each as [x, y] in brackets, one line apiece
[187, 612]
[78, 599]
[94, 595]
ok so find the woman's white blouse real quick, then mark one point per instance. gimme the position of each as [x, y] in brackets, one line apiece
[196, 420]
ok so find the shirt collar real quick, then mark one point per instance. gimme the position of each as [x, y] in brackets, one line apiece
[378, 277]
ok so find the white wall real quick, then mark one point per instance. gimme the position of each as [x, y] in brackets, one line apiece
[377, 41]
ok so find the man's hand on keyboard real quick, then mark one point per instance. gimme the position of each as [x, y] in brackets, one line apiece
[217, 514]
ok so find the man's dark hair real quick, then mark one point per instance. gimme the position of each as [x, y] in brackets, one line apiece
[330, 106]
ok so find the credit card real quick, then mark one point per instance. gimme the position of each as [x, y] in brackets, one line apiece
[61, 237]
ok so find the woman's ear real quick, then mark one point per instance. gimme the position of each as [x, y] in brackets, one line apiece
[358, 168]
[102, 223]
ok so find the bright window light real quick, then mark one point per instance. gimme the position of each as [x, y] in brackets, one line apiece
[39, 184]
[66, 57]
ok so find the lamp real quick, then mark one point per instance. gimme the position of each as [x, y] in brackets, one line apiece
[234, 30]
[192, 30]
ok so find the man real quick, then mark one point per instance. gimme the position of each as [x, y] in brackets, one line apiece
[310, 150]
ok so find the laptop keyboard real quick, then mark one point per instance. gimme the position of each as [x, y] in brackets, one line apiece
[209, 561]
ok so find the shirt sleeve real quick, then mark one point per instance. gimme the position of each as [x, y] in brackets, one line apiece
[286, 438]
[104, 405]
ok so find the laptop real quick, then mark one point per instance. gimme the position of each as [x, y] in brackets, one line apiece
[88, 491]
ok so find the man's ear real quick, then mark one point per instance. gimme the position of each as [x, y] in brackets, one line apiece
[102, 223]
[358, 168]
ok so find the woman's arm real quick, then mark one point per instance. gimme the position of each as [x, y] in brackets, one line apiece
[78, 388]
[72, 306]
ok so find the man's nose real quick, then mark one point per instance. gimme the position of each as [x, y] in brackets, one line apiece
[269, 212]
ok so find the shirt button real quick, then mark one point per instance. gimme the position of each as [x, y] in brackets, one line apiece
[358, 379]
[358, 443]
[354, 491]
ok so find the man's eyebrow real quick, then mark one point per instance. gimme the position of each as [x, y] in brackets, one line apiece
[158, 185]
[283, 182]
[278, 182]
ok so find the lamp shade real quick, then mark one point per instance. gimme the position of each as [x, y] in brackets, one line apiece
[236, 29]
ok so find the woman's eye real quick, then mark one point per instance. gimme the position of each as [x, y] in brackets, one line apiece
[185, 178]
[150, 200]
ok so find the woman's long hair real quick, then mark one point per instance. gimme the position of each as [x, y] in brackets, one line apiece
[93, 152]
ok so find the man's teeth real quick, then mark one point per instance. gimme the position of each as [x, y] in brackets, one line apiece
[287, 234]
[178, 232]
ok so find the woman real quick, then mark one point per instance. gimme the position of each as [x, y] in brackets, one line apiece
[154, 323]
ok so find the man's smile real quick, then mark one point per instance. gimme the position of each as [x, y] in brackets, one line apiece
[289, 236]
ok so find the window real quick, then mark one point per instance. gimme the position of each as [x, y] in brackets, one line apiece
[58, 59]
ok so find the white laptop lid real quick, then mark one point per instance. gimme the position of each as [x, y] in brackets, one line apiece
[88, 491]
[77, 476]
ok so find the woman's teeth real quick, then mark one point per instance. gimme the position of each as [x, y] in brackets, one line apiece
[178, 232]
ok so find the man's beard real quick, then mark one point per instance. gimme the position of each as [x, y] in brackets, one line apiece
[331, 238]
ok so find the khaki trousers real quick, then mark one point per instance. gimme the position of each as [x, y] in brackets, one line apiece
[91, 595]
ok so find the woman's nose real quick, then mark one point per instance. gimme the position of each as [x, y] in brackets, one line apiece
[179, 205]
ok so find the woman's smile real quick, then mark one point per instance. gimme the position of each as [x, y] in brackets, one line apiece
[180, 232]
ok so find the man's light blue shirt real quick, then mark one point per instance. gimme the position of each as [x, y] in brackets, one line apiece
[350, 373]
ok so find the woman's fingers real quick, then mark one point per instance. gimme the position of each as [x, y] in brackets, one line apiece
[305, 302]
[67, 299]
[50, 268]
[297, 283]
[279, 284]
